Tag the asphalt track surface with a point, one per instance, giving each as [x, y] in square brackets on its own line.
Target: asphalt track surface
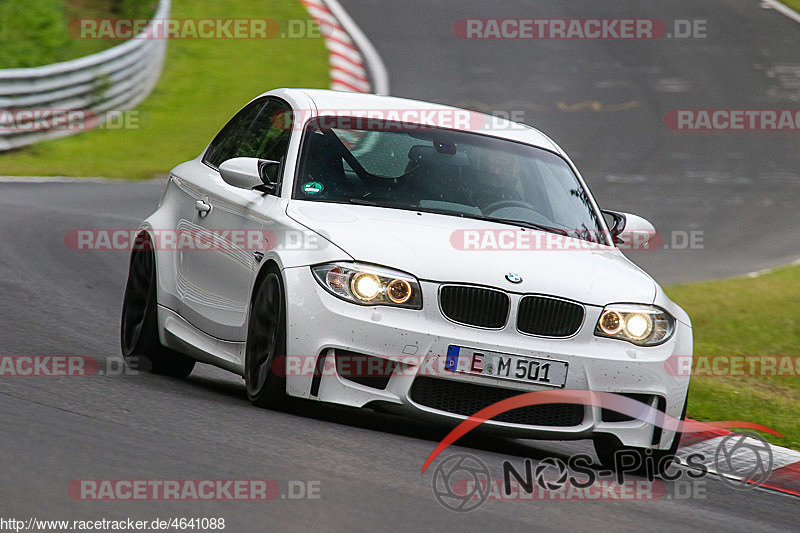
[55, 430]
[57, 301]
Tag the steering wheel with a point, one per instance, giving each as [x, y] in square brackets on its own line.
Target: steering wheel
[496, 206]
[502, 204]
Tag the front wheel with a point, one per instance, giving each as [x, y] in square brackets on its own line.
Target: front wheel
[266, 339]
[141, 347]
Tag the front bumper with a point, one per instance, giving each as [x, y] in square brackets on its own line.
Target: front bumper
[318, 324]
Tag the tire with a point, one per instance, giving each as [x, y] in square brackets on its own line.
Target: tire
[141, 347]
[266, 339]
[607, 446]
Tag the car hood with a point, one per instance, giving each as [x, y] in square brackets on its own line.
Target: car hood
[429, 246]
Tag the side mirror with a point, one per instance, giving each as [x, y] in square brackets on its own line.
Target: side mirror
[630, 232]
[250, 173]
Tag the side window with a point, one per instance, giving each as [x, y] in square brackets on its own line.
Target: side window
[226, 144]
[268, 135]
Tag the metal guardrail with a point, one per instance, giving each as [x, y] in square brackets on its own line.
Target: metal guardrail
[109, 81]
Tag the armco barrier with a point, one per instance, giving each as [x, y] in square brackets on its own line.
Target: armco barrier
[112, 80]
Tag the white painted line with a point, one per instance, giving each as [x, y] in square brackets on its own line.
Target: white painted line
[352, 58]
[69, 179]
[49, 179]
[758, 273]
[780, 456]
[781, 8]
[375, 66]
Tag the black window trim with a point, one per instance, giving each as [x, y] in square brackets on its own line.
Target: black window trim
[263, 101]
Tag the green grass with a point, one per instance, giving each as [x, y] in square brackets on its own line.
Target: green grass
[203, 84]
[35, 32]
[746, 316]
[794, 4]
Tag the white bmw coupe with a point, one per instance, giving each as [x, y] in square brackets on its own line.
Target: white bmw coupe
[376, 251]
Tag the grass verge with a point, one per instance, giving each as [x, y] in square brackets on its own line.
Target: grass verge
[35, 33]
[203, 84]
[794, 4]
[746, 316]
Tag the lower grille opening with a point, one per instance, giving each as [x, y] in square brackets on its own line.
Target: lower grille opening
[468, 398]
[363, 369]
[608, 415]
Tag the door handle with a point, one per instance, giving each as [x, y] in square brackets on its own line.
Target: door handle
[203, 207]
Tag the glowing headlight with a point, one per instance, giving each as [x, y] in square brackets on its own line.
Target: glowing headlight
[369, 285]
[638, 326]
[365, 286]
[644, 325]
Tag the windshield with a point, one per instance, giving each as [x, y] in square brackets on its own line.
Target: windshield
[444, 171]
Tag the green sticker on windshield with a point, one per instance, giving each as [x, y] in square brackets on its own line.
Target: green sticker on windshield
[312, 187]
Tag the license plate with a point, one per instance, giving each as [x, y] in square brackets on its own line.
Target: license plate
[506, 366]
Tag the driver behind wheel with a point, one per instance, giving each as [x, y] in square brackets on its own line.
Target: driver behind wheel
[496, 179]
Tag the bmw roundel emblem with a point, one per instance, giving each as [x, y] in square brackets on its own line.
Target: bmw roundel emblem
[514, 278]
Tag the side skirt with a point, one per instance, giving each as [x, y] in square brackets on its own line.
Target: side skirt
[180, 335]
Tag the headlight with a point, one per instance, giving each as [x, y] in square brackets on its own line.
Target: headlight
[644, 325]
[369, 285]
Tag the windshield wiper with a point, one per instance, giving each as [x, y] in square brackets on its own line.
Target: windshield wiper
[408, 207]
[362, 201]
[522, 223]
[374, 203]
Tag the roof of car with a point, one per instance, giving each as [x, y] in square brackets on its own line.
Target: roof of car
[343, 103]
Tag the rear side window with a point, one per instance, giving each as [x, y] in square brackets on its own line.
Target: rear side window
[226, 143]
[261, 129]
[268, 135]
